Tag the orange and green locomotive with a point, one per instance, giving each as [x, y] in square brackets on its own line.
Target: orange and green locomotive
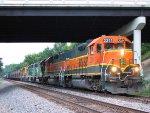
[104, 64]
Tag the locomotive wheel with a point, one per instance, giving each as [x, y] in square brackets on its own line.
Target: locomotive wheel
[34, 79]
[64, 85]
[41, 80]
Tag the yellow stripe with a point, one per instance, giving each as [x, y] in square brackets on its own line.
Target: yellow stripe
[87, 74]
[128, 66]
[104, 64]
[88, 67]
[118, 51]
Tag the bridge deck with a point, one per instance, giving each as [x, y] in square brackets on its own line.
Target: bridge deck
[84, 3]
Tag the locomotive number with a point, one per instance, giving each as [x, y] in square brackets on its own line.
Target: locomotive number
[108, 40]
[120, 40]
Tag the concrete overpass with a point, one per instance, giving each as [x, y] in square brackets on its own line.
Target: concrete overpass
[68, 20]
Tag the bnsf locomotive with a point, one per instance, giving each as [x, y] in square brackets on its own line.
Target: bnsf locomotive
[104, 64]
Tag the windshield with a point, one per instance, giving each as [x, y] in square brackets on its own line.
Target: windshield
[113, 46]
[108, 46]
[117, 46]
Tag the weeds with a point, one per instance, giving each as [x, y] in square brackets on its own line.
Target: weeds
[146, 91]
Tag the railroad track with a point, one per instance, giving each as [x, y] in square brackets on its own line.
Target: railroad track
[77, 103]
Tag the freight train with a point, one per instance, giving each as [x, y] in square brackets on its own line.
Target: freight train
[104, 64]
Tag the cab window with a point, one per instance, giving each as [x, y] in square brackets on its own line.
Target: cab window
[128, 45]
[108, 46]
[99, 47]
[118, 46]
[92, 49]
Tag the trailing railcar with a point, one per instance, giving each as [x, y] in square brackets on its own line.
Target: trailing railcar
[104, 64]
[15, 75]
[34, 72]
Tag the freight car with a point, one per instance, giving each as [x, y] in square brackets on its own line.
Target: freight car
[104, 64]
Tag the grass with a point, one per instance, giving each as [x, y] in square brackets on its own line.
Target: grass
[146, 91]
[146, 55]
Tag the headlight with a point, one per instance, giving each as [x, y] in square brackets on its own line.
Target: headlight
[122, 52]
[136, 69]
[114, 69]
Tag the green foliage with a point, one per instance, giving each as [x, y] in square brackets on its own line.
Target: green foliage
[146, 55]
[145, 48]
[10, 68]
[44, 54]
[1, 64]
[145, 51]
[31, 58]
[60, 47]
[146, 89]
[73, 45]
[146, 92]
[1, 67]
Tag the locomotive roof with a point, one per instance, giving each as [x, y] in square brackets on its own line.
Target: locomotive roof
[93, 41]
[103, 37]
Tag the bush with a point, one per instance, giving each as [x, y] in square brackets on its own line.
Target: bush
[146, 55]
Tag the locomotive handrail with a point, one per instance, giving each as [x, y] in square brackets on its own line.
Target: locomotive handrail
[140, 64]
[108, 65]
[102, 63]
[124, 77]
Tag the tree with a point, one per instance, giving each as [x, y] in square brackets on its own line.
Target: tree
[60, 47]
[72, 45]
[44, 54]
[31, 58]
[1, 65]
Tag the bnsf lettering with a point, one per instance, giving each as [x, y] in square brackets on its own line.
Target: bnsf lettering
[83, 62]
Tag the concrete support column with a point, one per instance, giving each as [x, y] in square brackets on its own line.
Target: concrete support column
[137, 46]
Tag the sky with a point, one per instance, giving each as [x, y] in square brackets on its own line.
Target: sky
[14, 53]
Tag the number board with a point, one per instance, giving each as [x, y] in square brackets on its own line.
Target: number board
[108, 40]
[120, 40]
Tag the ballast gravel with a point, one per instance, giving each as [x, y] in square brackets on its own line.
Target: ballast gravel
[17, 100]
[117, 101]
